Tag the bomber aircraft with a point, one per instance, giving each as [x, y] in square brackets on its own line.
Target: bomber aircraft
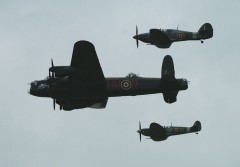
[163, 38]
[82, 84]
[157, 132]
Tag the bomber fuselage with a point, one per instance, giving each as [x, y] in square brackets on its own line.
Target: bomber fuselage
[64, 88]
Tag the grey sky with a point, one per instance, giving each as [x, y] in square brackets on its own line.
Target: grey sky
[33, 32]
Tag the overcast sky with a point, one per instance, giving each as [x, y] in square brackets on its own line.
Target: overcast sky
[33, 134]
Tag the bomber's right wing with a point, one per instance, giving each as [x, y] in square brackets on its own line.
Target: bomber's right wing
[86, 63]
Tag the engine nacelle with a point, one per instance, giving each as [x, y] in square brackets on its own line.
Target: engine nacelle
[63, 71]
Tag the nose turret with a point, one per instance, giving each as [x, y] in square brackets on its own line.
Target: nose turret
[33, 87]
[39, 88]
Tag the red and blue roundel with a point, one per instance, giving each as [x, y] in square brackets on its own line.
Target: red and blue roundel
[126, 84]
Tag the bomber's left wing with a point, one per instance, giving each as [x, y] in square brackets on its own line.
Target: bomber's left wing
[70, 104]
[100, 105]
[85, 63]
[157, 36]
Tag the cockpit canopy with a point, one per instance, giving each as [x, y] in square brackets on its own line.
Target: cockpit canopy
[132, 75]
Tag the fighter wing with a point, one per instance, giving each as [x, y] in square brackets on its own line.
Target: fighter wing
[85, 63]
[157, 132]
[157, 36]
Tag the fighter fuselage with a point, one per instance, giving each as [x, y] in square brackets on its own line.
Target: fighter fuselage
[159, 133]
[163, 38]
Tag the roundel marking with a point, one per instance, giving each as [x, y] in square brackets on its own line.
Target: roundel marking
[181, 35]
[126, 84]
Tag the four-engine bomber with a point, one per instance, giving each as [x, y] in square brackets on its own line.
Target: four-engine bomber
[82, 84]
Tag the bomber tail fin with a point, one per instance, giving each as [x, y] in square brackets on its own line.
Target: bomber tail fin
[168, 74]
[206, 31]
[168, 67]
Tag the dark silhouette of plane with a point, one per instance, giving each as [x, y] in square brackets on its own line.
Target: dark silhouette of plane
[159, 133]
[163, 38]
[82, 84]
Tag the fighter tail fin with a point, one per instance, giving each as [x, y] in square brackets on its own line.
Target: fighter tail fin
[196, 127]
[206, 31]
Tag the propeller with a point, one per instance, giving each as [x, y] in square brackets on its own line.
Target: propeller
[52, 62]
[54, 103]
[135, 37]
[139, 131]
[51, 69]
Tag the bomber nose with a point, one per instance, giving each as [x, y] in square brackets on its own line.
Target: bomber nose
[29, 90]
[135, 36]
[32, 87]
[34, 83]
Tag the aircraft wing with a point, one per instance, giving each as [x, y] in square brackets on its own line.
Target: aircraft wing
[157, 132]
[100, 105]
[157, 36]
[71, 104]
[85, 63]
[170, 97]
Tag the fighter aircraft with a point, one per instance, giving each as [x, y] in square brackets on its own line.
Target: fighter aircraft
[157, 132]
[163, 38]
[82, 84]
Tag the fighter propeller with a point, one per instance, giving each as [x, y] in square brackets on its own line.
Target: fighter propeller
[135, 37]
[139, 131]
